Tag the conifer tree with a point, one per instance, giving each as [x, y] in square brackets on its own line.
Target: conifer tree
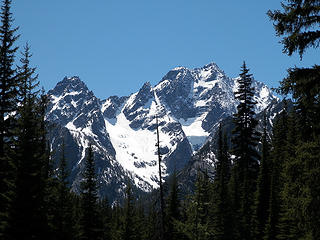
[105, 213]
[298, 24]
[278, 154]
[196, 225]
[89, 200]
[129, 231]
[8, 104]
[173, 210]
[262, 197]
[220, 205]
[288, 224]
[28, 218]
[162, 207]
[245, 139]
[116, 222]
[64, 222]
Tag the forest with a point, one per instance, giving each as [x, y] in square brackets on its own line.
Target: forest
[265, 186]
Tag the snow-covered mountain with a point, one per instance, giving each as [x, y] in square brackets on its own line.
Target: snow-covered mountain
[189, 104]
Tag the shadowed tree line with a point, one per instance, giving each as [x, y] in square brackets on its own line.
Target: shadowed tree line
[265, 185]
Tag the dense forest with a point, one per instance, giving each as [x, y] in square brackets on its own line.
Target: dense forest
[265, 186]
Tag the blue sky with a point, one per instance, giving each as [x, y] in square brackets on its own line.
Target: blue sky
[117, 45]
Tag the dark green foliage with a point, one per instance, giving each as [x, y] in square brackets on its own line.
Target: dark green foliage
[28, 217]
[279, 154]
[296, 17]
[221, 203]
[246, 167]
[90, 224]
[63, 224]
[105, 211]
[304, 85]
[196, 224]
[8, 78]
[130, 232]
[262, 197]
[8, 104]
[173, 210]
[299, 24]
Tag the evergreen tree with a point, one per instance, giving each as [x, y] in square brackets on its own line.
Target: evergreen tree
[28, 218]
[173, 210]
[299, 22]
[89, 199]
[8, 105]
[161, 197]
[262, 197]
[116, 222]
[129, 231]
[299, 25]
[245, 139]
[196, 225]
[220, 205]
[288, 225]
[64, 222]
[105, 213]
[279, 154]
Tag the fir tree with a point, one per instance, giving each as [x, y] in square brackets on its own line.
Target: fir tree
[129, 230]
[105, 213]
[161, 197]
[221, 210]
[89, 199]
[173, 210]
[262, 197]
[278, 154]
[64, 222]
[28, 218]
[196, 225]
[245, 139]
[298, 23]
[8, 105]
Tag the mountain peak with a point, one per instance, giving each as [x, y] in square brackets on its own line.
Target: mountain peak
[69, 84]
[211, 65]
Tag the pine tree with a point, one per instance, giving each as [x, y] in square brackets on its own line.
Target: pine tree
[129, 231]
[262, 197]
[299, 22]
[116, 222]
[105, 213]
[279, 155]
[196, 225]
[287, 224]
[161, 197]
[220, 205]
[8, 105]
[173, 210]
[245, 139]
[64, 219]
[28, 218]
[299, 25]
[89, 199]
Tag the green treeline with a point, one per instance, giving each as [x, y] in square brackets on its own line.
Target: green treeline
[265, 186]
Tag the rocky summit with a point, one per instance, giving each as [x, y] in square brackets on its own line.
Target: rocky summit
[189, 104]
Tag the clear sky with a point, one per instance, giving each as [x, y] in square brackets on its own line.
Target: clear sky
[115, 46]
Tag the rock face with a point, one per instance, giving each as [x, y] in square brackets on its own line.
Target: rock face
[189, 104]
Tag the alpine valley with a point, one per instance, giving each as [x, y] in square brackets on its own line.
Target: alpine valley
[189, 104]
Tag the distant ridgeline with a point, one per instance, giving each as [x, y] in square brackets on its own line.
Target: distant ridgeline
[190, 103]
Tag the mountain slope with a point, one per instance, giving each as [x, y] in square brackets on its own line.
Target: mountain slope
[188, 102]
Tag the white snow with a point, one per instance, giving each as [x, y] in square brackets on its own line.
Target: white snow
[194, 131]
[105, 105]
[134, 147]
[80, 136]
